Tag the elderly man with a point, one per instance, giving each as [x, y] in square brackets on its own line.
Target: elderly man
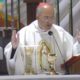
[39, 48]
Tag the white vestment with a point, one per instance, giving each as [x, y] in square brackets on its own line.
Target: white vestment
[37, 44]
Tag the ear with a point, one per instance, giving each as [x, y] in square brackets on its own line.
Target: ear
[37, 16]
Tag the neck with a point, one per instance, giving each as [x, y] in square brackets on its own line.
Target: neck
[43, 28]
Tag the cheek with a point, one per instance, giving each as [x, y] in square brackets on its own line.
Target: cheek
[52, 21]
[43, 22]
[78, 38]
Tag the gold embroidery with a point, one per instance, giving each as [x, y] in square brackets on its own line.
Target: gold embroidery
[28, 67]
[43, 50]
[46, 56]
[51, 60]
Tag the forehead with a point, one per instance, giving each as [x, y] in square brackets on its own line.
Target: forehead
[45, 7]
[47, 11]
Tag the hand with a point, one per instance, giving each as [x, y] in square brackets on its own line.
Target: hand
[14, 39]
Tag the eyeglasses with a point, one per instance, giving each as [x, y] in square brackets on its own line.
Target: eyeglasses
[48, 18]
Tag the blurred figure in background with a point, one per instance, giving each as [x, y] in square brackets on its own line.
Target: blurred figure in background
[76, 46]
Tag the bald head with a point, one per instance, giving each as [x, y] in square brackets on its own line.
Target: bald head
[44, 7]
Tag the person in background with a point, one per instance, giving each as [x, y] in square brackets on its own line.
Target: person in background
[76, 46]
[39, 48]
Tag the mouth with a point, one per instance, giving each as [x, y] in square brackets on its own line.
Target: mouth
[48, 25]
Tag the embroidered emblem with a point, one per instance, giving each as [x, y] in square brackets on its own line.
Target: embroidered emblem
[46, 57]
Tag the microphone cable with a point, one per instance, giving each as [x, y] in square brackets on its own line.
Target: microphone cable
[65, 66]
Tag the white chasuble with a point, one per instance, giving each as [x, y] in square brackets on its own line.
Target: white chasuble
[37, 58]
[38, 52]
